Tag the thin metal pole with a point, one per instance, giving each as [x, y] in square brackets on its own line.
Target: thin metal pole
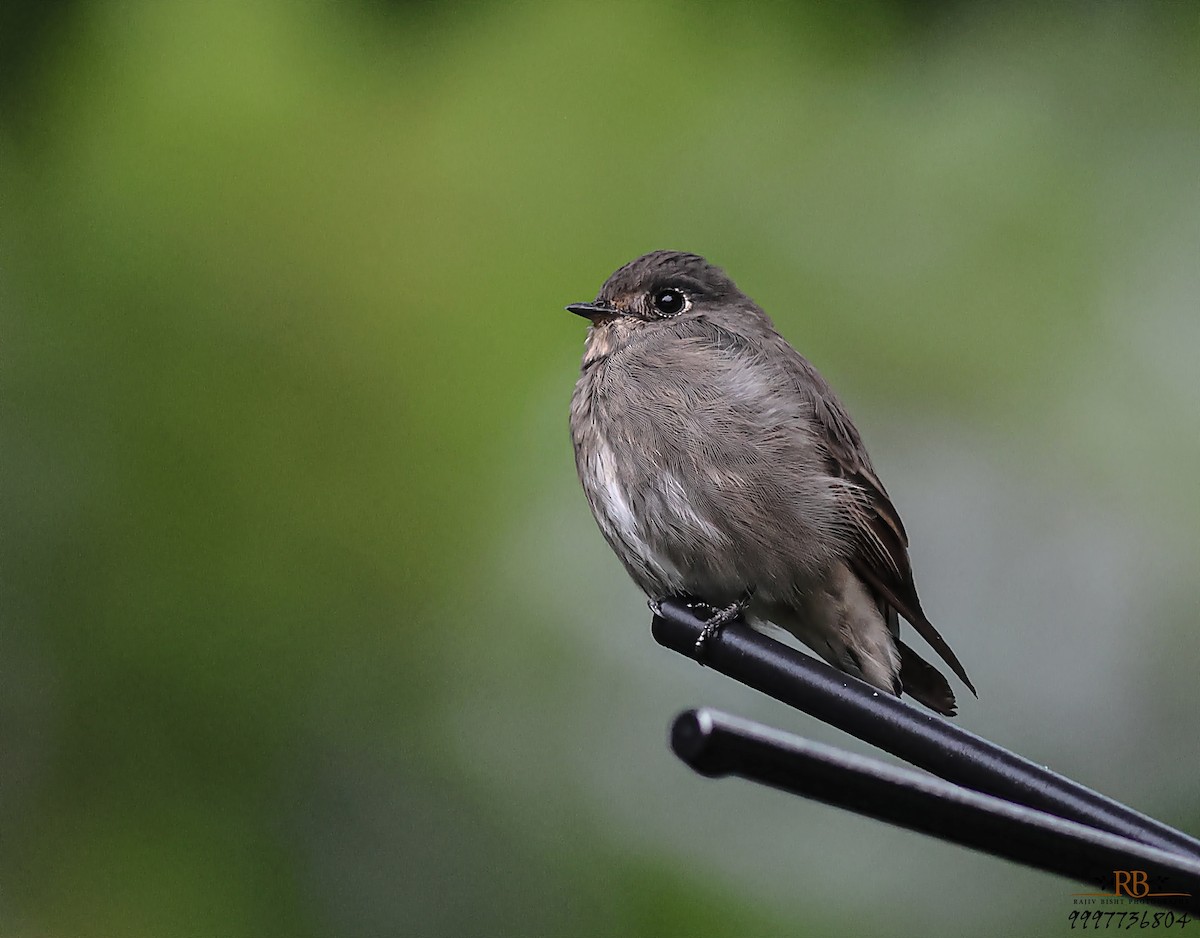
[717, 744]
[922, 739]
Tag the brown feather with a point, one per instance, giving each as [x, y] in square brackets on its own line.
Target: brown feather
[881, 559]
[923, 682]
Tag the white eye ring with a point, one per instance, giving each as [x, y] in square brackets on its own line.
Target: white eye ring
[670, 301]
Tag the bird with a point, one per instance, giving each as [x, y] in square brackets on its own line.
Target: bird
[721, 467]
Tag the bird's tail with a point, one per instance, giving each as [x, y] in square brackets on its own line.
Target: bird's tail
[925, 683]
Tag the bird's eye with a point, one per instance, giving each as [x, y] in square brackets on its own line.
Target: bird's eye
[669, 302]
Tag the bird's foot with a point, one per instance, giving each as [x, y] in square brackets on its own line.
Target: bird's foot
[717, 619]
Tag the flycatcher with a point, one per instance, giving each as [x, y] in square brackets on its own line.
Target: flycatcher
[721, 467]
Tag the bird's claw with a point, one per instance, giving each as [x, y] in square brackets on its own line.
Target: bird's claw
[717, 620]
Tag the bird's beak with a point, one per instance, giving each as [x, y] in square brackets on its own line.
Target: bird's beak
[593, 311]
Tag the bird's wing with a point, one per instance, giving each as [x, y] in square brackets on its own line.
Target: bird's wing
[878, 539]
[881, 556]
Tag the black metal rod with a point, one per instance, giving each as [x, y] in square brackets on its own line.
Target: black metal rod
[716, 744]
[922, 739]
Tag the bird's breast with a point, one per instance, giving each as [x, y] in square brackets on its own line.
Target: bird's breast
[708, 486]
[621, 505]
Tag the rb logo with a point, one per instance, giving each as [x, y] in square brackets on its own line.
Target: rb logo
[1132, 883]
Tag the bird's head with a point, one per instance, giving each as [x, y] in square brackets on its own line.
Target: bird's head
[660, 286]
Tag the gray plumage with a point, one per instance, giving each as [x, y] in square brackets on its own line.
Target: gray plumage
[718, 463]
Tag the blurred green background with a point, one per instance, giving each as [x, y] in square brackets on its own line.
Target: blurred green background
[306, 629]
